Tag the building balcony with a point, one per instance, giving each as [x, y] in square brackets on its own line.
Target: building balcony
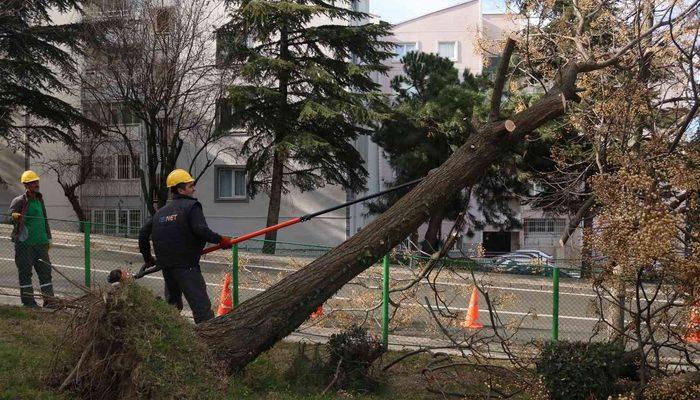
[112, 188]
[108, 9]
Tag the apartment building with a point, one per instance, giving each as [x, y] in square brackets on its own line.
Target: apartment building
[115, 201]
[113, 196]
[473, 40]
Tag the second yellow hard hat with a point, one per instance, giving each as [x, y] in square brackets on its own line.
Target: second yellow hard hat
[29, 176]
[177, 177]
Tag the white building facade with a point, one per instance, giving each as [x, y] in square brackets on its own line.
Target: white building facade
[116, 204]
[114, 199]
[473, 40]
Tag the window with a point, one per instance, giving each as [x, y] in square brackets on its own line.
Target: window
[108, 8]
[115, 167]
[110, 222]
[230, 183]
[223, 51]
[94, 112]
[134, 222]
[232, 47]
[401, 49]
[97, 221]
[123, 164]
[164, 19]
[121, 222]
[119, 114]
[112, 114]
[224, 119]
[447, 50]
[94, 61]
[135, 168]
[544, 226]
[223, 115]
[102, 167]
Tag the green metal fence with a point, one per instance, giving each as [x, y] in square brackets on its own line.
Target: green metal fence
[81, 257]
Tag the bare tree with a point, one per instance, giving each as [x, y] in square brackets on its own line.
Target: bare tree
[260, 322]
[152, 65]
[73, 166]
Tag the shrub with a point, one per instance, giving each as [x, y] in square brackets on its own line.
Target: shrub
[351, 355]
[578, 370]
[683, 386]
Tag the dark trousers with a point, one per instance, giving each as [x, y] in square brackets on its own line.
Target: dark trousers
[190, 282]
[27, 257]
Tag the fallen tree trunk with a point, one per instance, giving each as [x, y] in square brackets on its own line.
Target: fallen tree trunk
[257, 324]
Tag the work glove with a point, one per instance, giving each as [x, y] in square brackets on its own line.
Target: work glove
[16, 216]
[114, 276]
[225, 242]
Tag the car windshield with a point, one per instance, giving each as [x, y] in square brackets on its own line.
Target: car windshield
[534, 253]
[520, 258]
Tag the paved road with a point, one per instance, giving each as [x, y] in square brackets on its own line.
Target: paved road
[525, 300]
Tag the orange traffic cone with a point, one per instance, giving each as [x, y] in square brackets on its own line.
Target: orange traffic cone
[471, 321]
[318, 312]
[225, 305]
[693, 335]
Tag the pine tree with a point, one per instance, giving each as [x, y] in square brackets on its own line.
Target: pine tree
[431, 117]
[36, 66]
[306, 92]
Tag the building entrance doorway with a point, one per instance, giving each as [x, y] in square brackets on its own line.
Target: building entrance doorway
[497, 243]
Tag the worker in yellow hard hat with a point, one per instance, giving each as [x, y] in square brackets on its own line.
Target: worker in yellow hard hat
[179, 232]
[32, 237]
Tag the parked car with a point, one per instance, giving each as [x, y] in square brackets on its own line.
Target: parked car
[535, 254]
[530, 262]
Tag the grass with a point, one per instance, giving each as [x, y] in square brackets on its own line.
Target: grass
[26, 339]
[27, 347]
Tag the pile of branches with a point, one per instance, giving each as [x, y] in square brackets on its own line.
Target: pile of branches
[124, 343]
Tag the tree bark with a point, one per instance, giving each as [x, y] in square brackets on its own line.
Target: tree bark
[277, 185]
[430, 240]
[587, 246]
[500, 81]
[273, 208]
[69, 192]
[258, 323]
[574, 222]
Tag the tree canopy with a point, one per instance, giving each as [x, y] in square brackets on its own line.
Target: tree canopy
[431, 116]
[306, 92]
[37, 65]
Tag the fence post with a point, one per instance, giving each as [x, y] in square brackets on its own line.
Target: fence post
[87, 227]
[385, 302]
[555, 304]
[234, 274]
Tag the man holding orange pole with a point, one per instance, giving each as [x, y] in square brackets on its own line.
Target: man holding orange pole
[179, 232]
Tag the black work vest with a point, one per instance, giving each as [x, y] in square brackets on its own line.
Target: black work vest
[173, 241]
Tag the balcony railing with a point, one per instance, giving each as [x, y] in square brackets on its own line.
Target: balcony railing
[108, 9]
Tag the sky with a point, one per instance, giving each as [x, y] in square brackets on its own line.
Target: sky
[394, 11]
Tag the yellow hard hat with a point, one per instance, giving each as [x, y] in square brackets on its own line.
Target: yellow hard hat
[177, 177]
[29, 176]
